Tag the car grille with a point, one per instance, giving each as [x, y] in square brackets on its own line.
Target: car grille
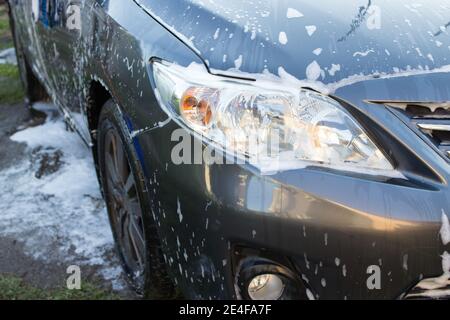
[430, 120]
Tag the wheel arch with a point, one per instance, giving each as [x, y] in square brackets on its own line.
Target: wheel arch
[98, 95]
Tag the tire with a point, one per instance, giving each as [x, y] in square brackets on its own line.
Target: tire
[124, 188]
[34, 91]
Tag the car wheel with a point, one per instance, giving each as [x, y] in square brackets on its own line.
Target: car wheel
[128, 205]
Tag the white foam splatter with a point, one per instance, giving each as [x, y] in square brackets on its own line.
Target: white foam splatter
[363, 53]
[180, 214]
[290, 81]
[436, 287]
[317, 51]
[282, 38]
[238, 62]
[181, 36]
[405, 262]
[310, 295]
[313, 71]
[334, 68]
[446, 264]
[216, 34]
[293, 13]
[310, 30]
[445, 229]
[337, 261]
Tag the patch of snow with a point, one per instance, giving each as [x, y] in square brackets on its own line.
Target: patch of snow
[61, 215]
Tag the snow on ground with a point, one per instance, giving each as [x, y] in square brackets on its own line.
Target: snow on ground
[52, 201]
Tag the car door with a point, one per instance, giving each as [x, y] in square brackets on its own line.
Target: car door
[60, 27]
[29, 27]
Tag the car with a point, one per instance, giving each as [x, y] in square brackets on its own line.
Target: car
[258, 150]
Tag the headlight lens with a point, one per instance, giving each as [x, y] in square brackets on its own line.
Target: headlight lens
[273, 126]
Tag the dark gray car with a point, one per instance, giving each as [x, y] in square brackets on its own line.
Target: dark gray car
[259, 149]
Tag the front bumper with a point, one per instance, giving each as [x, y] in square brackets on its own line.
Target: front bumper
[330, 226]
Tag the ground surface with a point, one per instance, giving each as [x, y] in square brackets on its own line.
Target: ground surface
[52, 214]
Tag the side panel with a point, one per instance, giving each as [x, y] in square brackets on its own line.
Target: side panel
[26, 15]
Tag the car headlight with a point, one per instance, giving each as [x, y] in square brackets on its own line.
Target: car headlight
[273, 126]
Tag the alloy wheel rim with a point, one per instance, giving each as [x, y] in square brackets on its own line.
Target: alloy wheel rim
[125, 209]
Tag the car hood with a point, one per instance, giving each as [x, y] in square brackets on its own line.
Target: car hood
[323, 42]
